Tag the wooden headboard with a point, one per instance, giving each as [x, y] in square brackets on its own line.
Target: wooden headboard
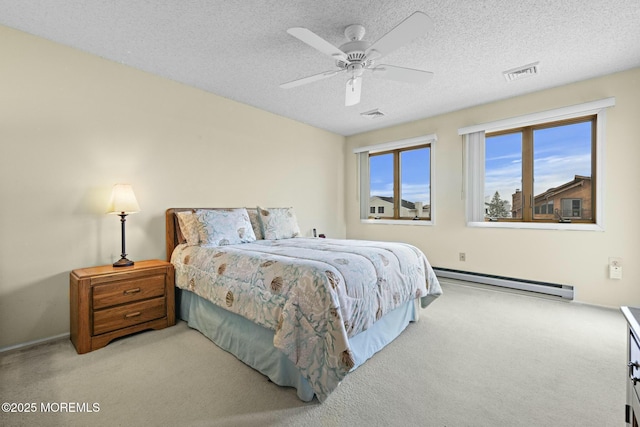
[173, 235]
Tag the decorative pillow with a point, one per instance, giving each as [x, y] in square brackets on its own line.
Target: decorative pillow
[278, 223]
[189, 227]
[255, 223]
[224, 227]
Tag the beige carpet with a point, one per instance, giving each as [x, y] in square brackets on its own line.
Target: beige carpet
[477, 357]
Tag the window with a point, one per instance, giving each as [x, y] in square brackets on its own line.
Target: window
[544, 208]
[572, 208]
[530, 170]
[543, 170]
[400, 181]
[395, 181]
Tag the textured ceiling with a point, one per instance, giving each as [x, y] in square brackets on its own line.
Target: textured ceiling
[240, 49]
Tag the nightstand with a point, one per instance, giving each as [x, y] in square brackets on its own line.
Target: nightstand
[109, 302]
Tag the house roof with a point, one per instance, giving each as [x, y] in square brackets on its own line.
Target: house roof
[552, 192]
[404, 203]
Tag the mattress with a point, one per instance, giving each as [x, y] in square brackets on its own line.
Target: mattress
[314, 296]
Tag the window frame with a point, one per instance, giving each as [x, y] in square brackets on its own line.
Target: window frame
[528, 173]
[473, 160]
[397, 183]
[364, 177]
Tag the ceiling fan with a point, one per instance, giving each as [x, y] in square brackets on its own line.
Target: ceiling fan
[357, 56]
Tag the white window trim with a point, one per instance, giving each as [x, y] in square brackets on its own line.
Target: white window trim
[564, 113]
[417, 223]
[474, 182]
[362, 172]
[394, 145]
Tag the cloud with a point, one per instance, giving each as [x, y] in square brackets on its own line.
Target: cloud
[549, 171]
[560, 153]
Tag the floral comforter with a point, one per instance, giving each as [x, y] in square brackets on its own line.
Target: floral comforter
[314, 293]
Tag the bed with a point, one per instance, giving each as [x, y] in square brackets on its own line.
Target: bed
[303, 311]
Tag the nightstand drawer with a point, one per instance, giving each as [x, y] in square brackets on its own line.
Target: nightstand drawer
[123, 316]
[111, 294]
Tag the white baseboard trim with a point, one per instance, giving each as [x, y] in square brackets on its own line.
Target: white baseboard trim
[34, 342]
[552, 289]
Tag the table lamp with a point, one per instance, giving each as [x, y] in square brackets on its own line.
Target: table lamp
[123, 202]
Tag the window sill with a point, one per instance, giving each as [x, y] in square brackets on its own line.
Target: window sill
[538, 225]
[397, 222]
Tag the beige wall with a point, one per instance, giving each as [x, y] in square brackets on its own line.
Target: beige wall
[570, 257]
[72, 125]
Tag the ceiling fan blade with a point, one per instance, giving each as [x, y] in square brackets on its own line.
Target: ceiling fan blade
[409, 75]
[309, 79]
[317, 42]
[354, 87]
[412, 27]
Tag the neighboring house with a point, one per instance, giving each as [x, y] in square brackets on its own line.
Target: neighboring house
[381, 207]
[571, 200]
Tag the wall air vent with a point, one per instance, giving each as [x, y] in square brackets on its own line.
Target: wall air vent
[523, 72]
[373, 114]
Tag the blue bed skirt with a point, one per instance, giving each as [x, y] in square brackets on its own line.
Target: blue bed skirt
[253, 344]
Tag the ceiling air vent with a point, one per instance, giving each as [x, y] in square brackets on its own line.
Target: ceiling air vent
[373, 114]
[521, 72]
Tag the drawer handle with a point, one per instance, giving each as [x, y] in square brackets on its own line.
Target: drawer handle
[131, 291]
[130, 315]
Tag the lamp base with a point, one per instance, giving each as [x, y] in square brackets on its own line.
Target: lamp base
[123, 262]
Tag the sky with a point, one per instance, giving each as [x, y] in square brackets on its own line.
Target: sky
[416, 175]
[559, 154]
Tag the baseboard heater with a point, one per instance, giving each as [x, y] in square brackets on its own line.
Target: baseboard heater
[564, 291]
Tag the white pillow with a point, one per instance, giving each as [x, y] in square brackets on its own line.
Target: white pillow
[188, 224]
[278, 223]
[224, 227]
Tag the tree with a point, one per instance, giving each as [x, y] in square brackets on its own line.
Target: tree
[497, 207]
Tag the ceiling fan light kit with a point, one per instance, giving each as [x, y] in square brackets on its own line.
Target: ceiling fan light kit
[357, 56]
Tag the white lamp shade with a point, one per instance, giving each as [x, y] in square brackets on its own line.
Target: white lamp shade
[123, 200]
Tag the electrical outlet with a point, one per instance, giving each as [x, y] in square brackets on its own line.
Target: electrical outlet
[615, 272]
[615, 268]
[463, 256]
